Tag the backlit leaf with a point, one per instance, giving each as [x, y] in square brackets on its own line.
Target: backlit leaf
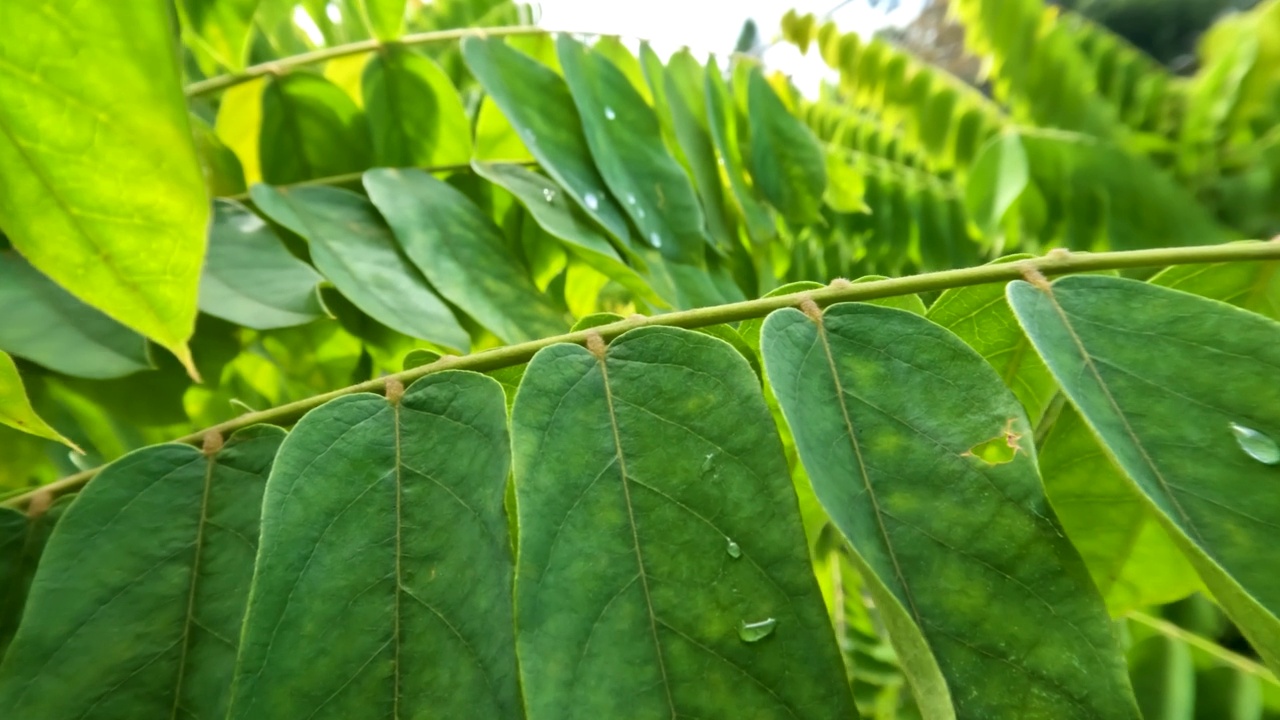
[158, 549]
[220, 28]
[15, 408]
[384, 577]
[1167, 422]
[415, 115]
[662, 567]
[103, 190]
[990, 609]
[384, 18]
[310, 129]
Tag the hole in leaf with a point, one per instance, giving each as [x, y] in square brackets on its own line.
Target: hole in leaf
[999, 449]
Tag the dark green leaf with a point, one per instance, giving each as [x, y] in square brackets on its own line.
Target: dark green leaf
[223, 173]
[353, 247]
[547, 203]
[135, 609]
[1132, 358]
[625, 141]
[787, 164]
[990, 609]
[310, 129]
[662, 567]
[249, 276]
[415, 115]
[722, 117]
[46, 325]
[103, 190]
[22, 541]
[686, 104]
[463, 254]
[537, 102]
[384, 579]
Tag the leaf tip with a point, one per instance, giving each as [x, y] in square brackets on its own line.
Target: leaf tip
[183, 353]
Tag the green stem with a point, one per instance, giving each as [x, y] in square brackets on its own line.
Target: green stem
[277, 67]
[1239, 662]
[1057, 262]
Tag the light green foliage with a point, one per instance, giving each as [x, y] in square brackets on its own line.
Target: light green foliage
[102, 187]
[986, 602]
[384, 572]
[219, 28]
[635, 471]
[15, 408]
[384, 18]
[1168, 424]
[159, 550]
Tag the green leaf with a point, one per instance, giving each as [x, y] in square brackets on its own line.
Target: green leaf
[103, 190]
[48, 326]
[1164, 679]
[545, 199]
[682, 81]
[223, 173]
[980, 315]
[728, 142]
[220, 28]
[239, 125]
[625, 141]
[16, 410]
[537, 102]
[1250, 285]
[787, 164]
[384, 18]
[662, 567]
[250, 278]
[352, 246]
[415, 115]
[22, 541]
[989, 607]
[158, 549]
[1133, 560]
[463, 254]
[310, 129]
[384, 578]
[998, 178]
[1167, 422]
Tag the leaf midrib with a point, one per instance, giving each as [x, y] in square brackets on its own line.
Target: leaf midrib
[210, 464]
[602, 361]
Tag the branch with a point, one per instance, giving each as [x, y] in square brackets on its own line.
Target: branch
[1057, 262]
[277, 67]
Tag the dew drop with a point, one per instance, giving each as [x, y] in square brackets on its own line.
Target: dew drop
[631, 199]
[591, 200]
[1256, 445]
[640, 213]
[732, 548]
[756, 631]
[548, 194]
[655, 239]
[708, 463]
[609, 113]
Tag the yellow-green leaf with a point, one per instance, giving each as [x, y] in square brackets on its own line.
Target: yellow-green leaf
[15, 408]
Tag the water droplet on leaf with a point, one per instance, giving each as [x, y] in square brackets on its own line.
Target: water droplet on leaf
[609, 113]
[708, 463]
[1256, 445]
[640, 213]
[631, 199]
[655, 239]
[756, 631]
[591, 200]
[548, 194]
[732, 548]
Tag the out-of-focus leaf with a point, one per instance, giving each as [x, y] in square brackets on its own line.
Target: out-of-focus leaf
[159, 548]
[625, 141]
[463, 254]
[404, 601]
[384, 18]
[415, 115]
[996, 181]
[990, 609]
[496, 140]
[249, 276]
[223, 173]
[239, 125]
[1164, 679]
[682, 81]
[310, 129]
[537, 102]
[46, 325]
[662, 571]
[722, 117]
[1169, 424]
[352, 246]
[15, 408]
[102, 187]
[787, 164]
[220, 28]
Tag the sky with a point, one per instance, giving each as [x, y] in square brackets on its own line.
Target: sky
[712, 26]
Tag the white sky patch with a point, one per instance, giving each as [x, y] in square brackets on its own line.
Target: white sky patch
[712, 26]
